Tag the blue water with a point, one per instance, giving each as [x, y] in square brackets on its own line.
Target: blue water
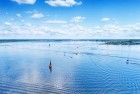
[78, 67]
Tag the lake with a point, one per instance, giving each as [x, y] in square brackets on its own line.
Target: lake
[78, 67]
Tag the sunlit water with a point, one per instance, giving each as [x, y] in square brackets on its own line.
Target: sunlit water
[77, 68]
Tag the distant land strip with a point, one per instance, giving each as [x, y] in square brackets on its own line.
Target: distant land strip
[105, 41]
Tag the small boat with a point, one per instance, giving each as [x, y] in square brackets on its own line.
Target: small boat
[50, 65]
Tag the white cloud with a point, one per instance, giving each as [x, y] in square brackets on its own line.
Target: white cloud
[64, 30]
[37, 15]
[11, 28]
[68, 29]
[77, 19]
[7, 23]
[56, 22]
[25, 1]
[62, 3]
[117, 31]
[105, 19]
[18, 15]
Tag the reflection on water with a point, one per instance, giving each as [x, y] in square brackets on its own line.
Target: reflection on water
[69, 67]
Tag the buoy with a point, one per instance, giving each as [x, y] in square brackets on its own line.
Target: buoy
[127, 61]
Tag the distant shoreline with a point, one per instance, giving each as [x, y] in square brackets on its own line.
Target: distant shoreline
[105, 41]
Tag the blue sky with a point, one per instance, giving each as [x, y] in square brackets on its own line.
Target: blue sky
[69, 19]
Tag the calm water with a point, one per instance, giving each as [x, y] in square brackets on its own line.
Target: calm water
[78, 68]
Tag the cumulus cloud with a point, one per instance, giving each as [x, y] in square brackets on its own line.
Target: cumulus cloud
[117, 31]
[7, 23]
[68, 29]
[63, 30]
[56, 22]
[62, 3]
[77, 19]
[25, 1]
[18, 15]
[11, 28]
[37, 15]
[105, 19]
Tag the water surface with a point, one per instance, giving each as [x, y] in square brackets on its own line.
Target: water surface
[78, 67]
